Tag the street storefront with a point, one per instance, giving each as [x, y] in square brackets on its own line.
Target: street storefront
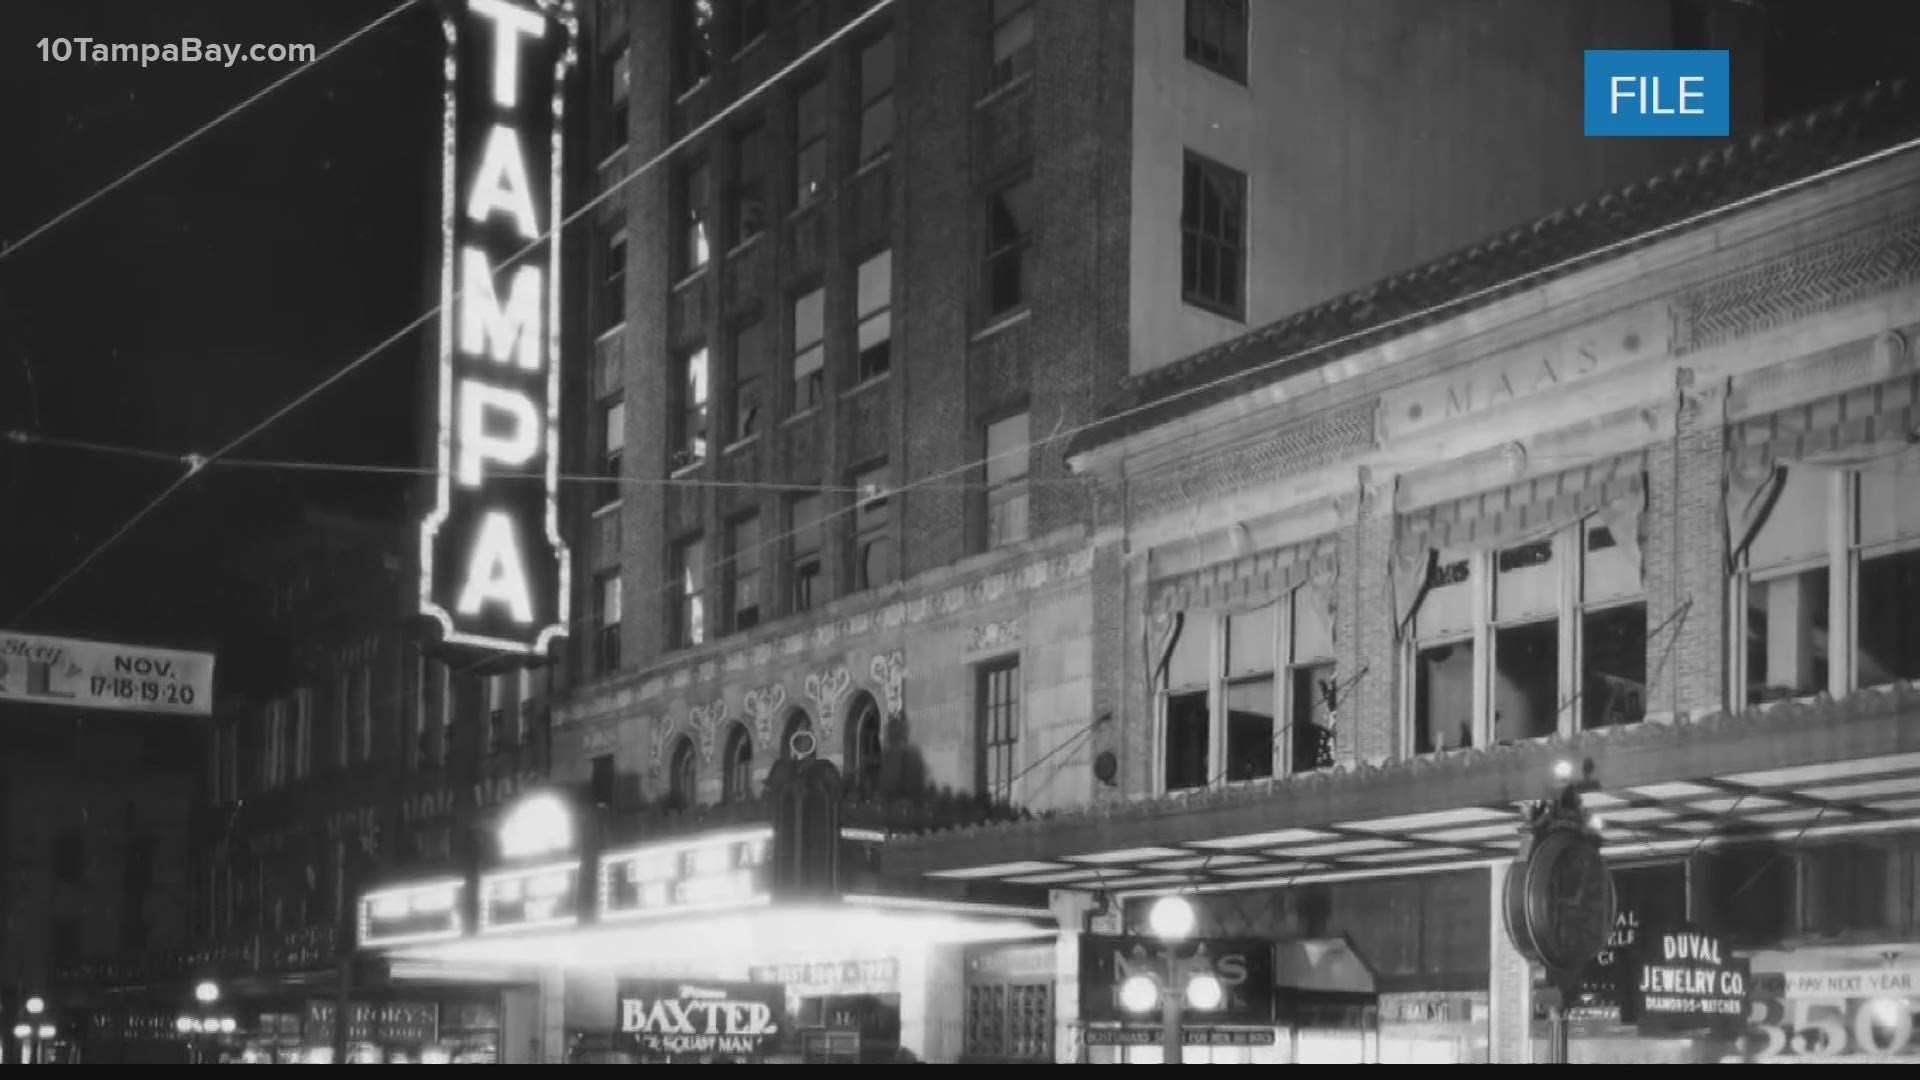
[753, 941]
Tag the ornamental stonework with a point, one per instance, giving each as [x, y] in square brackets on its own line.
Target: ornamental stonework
[1298, 447]
[1786, 289]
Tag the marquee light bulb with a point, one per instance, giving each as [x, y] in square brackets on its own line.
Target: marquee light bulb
[1139, 994]
[46, 1031]
[1563, 770]
[22, 1031]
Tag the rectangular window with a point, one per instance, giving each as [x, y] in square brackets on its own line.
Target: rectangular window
[613, 281]
[1787, 600]
[694, 28]
[743, 572]
[1213, 226]
[600, 780]
[619, 83]
[809, 350]
[689, 576]
[1559, 638]
[417, 739]
[363, 711]
[343, 718]
[1009, 225]
[876, 99]
[1251, 693]
[997, 727]
[873, 564]
[875, 316]
[690, 439]
[529, 683]
[749, 209]
[1217, 36]
[1187, 721]
[1011, 38]
[749, 381]
[500, 703]
[804, 565]
[1007, 456]
[810, 142]
[606, 603]
[694, 244]
[613, 444]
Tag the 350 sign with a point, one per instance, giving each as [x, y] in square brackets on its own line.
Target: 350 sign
[1869, 1027]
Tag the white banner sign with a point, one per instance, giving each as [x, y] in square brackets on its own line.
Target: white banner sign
[98, 675]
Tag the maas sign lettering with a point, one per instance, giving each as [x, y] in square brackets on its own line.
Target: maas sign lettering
[36, 670]
[493, 565]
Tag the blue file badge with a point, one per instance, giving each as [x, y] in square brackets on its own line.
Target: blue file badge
[1658, 92]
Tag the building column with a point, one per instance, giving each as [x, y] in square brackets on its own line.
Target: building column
[551, 1030]
[1684, 554]
[933, 1002]
[1510, 984]
[1368, 653]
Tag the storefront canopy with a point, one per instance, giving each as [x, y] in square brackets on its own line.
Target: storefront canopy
[701, 942]
[1787, 773]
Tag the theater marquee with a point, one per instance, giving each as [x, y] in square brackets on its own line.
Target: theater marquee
[493, 565]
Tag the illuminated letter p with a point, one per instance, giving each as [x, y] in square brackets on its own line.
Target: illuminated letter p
[515, 445]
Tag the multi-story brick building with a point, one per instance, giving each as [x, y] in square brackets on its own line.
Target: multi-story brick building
[1629, 486]
[945, 237]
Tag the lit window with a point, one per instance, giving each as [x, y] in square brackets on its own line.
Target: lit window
[810, 137]
[872, 540]
[613, 281]
[619, 82]
[1012, 41]
[997, 727]
[875, 315]
[805, 562]
[876, 99]
[613, 431]
[749, 383]
[743, 571]
[809, 351]
[694, 26]
[1212, 237]
[1009, 225]
[690, 441]
[1007, 462]
[606, 602]
[694, 244]
[689, 574]
[749, 216]
[1217, 36]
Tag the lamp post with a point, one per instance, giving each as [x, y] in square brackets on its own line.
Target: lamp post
[205, 1026]
[1186, 984]
[34, 1031]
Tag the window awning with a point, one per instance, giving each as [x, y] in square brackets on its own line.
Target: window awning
[1322, 966]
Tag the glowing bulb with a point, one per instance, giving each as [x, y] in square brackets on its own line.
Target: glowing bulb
[1205, 993]
[228, 1025]
[22, 1031]
[1596, 822]
[206, 993]
[46, 1031]
[1138, 994]
[1171, 918]
[183, 1025]
[1563, 770]
[36, 1006]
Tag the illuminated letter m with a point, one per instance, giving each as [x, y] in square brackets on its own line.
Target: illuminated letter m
[506, 334]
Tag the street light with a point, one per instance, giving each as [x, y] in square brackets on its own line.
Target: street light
[206, 993]
[1172, 920]
[36, 1006]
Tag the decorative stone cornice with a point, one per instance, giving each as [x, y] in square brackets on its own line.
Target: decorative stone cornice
[889, 673]
[762, 706]
[635, 691]
[1790, 288]
[1297, 447]
[995, 635]
[825, 690]
[707, 720]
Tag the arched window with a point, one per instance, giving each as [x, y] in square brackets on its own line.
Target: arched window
[797, 722]
[737, 781]
[683, 774]
[863, 746]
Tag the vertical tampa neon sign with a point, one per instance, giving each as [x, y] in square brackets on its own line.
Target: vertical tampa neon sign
[493, 565]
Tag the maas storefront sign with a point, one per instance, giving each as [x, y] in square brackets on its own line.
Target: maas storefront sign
[1685, 980]
[661, 1018]
[1244, 967]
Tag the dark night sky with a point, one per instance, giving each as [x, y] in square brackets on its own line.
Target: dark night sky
[181, 309]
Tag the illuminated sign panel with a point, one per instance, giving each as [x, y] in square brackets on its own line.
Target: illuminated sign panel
[711, 873]
[493, 565]
[531, 898]
[429, 911]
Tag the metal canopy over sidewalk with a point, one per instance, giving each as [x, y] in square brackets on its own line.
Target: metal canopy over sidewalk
[1790, 772]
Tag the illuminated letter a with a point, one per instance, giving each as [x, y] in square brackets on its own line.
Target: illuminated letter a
[495, 573]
